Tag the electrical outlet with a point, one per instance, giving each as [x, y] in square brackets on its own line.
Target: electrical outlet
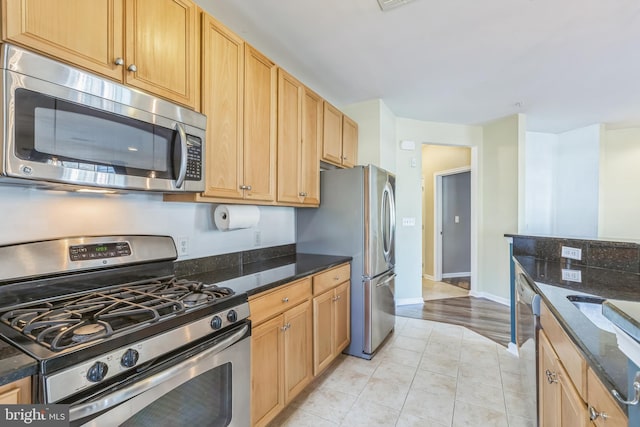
[183, 246]
[571, 253]
[572, 275]
[256, 238]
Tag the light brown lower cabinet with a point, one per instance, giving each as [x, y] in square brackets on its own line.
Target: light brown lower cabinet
[17, 392]
[296, 334]
[570, 394]
[281, 349]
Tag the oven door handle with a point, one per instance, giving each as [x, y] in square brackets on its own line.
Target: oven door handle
[89, 408]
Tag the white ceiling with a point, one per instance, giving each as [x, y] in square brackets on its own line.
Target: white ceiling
[563, 63]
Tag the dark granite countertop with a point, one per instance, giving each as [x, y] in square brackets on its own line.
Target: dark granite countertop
[262, 275]
[599, 347]
[14, 364]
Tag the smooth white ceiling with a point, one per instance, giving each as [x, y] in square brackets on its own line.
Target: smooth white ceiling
[563, 63]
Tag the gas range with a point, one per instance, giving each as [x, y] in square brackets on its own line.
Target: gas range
[91, 309]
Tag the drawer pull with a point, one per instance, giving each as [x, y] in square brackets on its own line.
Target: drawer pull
[552, 377]
[636, 389]
[594, 414]
[285, 299]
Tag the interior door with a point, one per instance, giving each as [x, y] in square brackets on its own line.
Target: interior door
[456, 224]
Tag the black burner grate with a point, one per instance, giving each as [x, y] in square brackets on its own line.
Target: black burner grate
[67, 322]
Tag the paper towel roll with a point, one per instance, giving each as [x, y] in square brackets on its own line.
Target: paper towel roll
[232, 217]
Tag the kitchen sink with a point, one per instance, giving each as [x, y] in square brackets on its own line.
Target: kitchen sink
[591, 307]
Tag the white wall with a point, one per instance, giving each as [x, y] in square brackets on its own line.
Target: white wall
[408, 195]
[619, 202]
[28, 214]
[562, 183]
[498, 203]
[540, 152]
[376, 133]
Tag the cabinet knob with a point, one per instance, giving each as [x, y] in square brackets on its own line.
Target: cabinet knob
[302, 194]
[552, 377]
[285, 299]
[336, 278]
[249, 187]
[285, 327]
[245, 187]
[594, 414]
[132, 68]
[119, 61]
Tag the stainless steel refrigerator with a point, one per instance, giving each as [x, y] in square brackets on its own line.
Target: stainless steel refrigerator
[356, 217]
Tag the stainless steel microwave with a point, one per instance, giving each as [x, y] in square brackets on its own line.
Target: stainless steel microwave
[66, 128]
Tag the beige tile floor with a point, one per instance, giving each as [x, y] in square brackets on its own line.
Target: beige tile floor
[426, 374]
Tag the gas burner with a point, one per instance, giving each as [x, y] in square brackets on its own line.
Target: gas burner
[196, 298]
[88, 332]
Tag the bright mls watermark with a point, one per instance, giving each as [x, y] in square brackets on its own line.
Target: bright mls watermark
[34, 415]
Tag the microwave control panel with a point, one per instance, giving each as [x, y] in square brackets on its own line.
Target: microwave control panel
[194, 158]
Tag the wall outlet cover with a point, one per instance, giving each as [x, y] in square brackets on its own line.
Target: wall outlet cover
[571, 253]
[572, 275]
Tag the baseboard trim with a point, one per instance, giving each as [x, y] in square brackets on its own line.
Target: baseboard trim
[453, 275]
[491, 297]
[409, 301]
[513, 349]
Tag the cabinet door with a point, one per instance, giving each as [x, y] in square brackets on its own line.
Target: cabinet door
[549, 389]
[222, 103]
[85, 33]
[332, 135]
[323, 331]
[342, 326]
[311, 146]
[349, 142]
[298, 344]
[17, 392]
[573, 410]
[161, 42]
[289, 138]
[267, 371]
[259, 126]
[601, 400]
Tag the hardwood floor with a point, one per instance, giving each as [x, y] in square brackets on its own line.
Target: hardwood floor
[461, 282]
[483, 316]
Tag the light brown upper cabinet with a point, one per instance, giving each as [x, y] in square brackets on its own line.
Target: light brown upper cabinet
[239, 93]
[340, 139]
[149, 44]
[299, 139]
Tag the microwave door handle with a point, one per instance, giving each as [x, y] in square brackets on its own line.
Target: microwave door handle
[182, 173]
[105, 402]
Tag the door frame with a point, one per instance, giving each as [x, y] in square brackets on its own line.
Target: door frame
[437, 218]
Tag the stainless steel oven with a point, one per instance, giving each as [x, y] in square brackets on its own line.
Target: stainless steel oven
[207, 385]
[122, 340]
[67, 128]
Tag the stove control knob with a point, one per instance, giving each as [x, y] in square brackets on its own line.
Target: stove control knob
[216, 322]
[129, 358]
[97, 372]
[232, 316]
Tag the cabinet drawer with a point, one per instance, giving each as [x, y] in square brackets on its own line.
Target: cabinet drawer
[264, 306]
[570, 357]
[331, 279]
[602, 401]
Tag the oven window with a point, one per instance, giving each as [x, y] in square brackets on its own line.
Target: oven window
[202, 401]
[54, 131]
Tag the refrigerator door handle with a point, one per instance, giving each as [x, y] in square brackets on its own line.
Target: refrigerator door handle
[388, 216]
[387, 280]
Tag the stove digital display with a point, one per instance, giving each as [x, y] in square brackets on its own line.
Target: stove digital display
[104, 250]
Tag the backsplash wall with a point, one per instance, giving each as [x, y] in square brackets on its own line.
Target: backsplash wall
[28, 214]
